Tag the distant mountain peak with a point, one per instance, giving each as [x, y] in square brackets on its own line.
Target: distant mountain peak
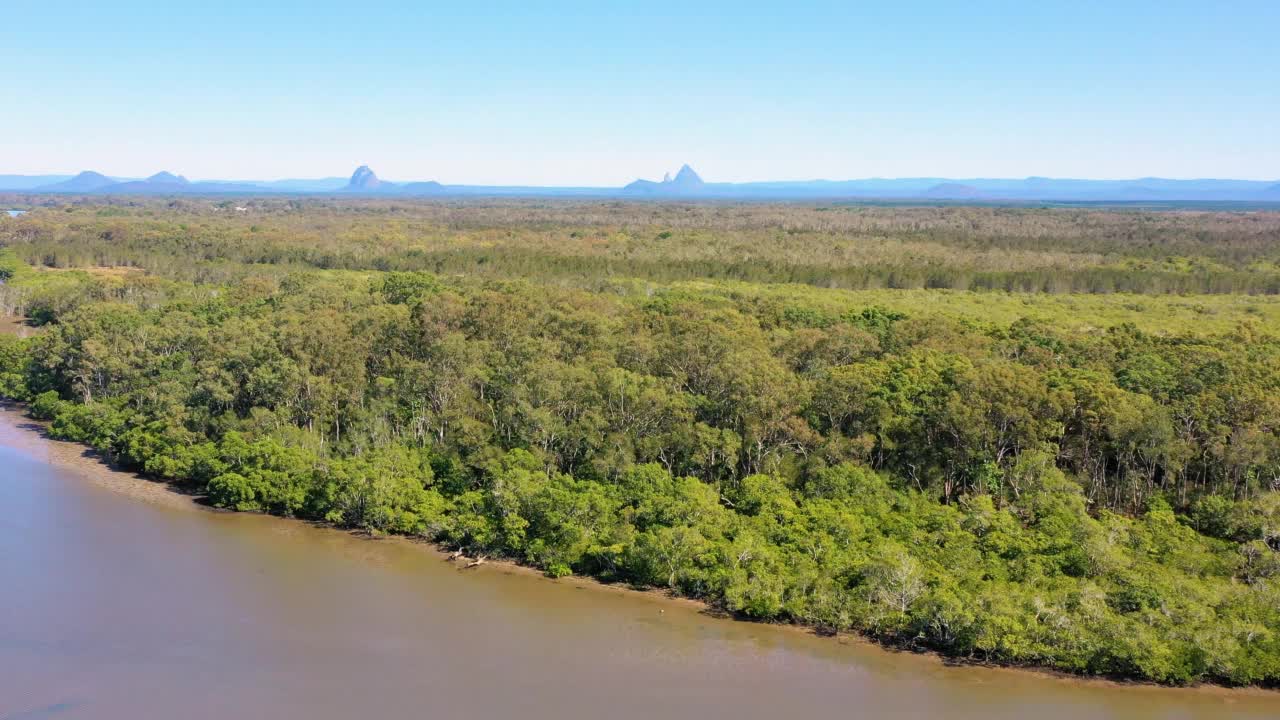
[164, 177]
[687, 177]
[686, 181]
[428, 187]
[363, 179]
[86, 181]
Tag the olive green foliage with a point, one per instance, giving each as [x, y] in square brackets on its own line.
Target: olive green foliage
[1102, 500]
[855, 246]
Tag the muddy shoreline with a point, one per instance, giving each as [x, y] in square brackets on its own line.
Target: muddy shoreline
[28, 436]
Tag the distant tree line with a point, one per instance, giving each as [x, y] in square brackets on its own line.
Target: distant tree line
[851, 247]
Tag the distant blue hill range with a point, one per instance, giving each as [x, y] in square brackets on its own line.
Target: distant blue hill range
[686, 184]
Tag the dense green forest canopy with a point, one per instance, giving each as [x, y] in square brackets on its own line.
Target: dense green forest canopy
[1085, 481]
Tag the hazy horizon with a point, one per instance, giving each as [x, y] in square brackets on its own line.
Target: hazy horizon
[711, 179]
[575, 94]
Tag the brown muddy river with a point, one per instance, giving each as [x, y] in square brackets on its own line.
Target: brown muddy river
[127, 604]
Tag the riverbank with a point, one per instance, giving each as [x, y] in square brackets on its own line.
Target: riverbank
[28, 436]
[19, 432]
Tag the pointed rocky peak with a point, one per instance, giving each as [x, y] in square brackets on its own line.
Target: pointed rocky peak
[165, 177]
[686, 182]
[687, 177]
[363, 179]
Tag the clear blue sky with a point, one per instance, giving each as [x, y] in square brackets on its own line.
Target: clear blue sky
[600, 92]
